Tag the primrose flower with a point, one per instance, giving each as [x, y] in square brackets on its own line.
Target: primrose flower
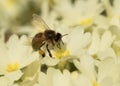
[109, 72]
[55, 77]
[86, 66]
[11, 12]
[4, 81]
[11, 7]
[78, 41]
[75, 44]
[113, 12]
[101, 45]
[99, 73]
[88, 53]
[80, 12]
[15, 55]
[116, 43]
[58, 54]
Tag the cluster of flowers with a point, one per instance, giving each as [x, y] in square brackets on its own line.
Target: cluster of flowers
[91, 50]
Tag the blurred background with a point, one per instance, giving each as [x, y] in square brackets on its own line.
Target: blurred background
[16, 15]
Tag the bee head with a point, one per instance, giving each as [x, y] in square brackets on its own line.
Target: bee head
[58, 37]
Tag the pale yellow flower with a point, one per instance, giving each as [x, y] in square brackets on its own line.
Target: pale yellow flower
[80, 12]
[15, 55]
[101, 45]
[113, 12]
[75, 43]
[104, 73]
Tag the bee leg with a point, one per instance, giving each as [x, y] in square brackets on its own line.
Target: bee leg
[41, 52]
[53, 44]
[42, 44]
[62, 42]
[48, 51]
[58, 45]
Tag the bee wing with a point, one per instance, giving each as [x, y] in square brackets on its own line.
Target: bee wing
[28, 42]
[39, 22]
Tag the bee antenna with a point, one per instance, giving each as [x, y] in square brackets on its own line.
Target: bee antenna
[64, 35]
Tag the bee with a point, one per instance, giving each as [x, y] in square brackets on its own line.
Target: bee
[47, 37]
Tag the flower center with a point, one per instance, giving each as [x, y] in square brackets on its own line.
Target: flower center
[61, 53]
[86, 21]
[10, 3]
[13, 67]
[95, 83]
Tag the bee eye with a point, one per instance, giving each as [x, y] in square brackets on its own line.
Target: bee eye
[58, 37]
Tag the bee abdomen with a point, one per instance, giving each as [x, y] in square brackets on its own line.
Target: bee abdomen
[37, 41]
